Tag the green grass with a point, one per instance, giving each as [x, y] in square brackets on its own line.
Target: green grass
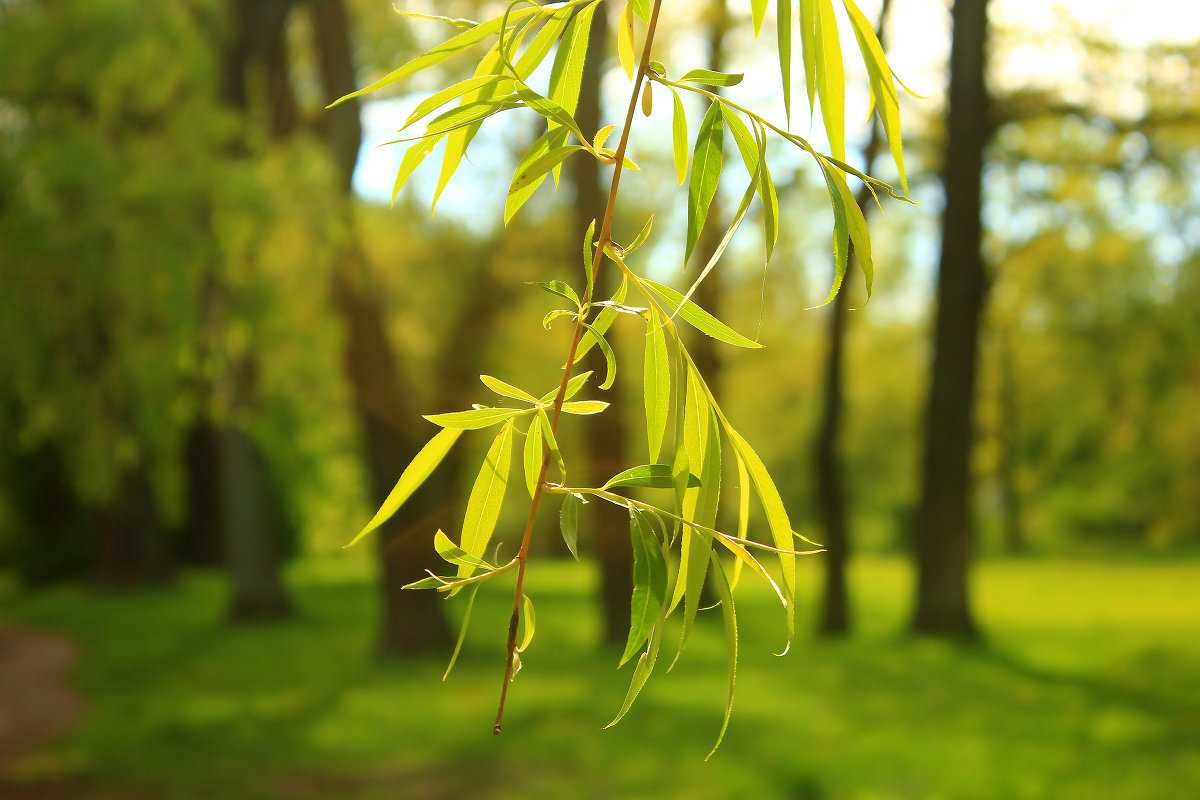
[1088, 687]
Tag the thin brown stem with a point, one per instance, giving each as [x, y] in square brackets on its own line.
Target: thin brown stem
[604, 239]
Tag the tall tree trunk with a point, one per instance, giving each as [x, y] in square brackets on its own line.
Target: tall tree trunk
[607, 434]
[255, 67]
[411, 622]
[944, 527]
[827, 458]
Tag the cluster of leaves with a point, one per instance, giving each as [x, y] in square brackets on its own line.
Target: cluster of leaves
[675, 544]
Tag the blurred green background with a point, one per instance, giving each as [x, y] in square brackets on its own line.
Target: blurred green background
[216, 339]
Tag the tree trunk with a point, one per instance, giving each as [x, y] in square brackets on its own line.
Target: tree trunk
[943, 533]
[1008, 465]
[827, 459]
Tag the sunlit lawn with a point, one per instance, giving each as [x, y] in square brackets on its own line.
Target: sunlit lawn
[1088, 687]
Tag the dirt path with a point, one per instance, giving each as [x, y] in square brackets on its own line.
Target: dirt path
[36, 700]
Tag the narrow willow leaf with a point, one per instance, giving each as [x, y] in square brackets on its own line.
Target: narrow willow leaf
[770, 201]
[725, 592]
[648, 476]
[573, 386]
[641, 673]
[610, 358]
[560, 288]
[841, 227]
[831, 79]
[713, 78]
[777, 519]
[548, 320]
[679, 137]
[585, 406]
[745, 141]
[420, 468]
[588, 257]
[440, 53]
[783, 21]
[458, 141]
[487, 495]
[625, 41]
[809, 25]
[541, 44]
[506, 389]
[706, 174]
[459, 22]
[602, 323]
[528, 622]
[697, 317]
[462, 631]
[857, 228]
[642, 9]
[883, 89]
[476, 418]
[532, 457]
[412, 159]
[552, 111]
[649, 583]
[743, 511]
[439, 99]
[568, 523]
[552, 444]
[566, 76]
[640, 239]
[432, 582]
[454, 554]
[656, 384]
[531, 176]
[758, 9]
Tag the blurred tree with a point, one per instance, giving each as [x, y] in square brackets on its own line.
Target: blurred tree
[943, 523]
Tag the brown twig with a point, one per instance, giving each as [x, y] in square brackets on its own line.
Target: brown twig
[604, 239]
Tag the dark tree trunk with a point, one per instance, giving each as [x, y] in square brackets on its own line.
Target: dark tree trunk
[607, 434]
[943, 525]
[252, 544]
[201, 540]
[134, 550]
[827, 458]
[1007, 468]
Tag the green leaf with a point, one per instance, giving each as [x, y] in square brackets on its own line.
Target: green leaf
[412, 159]
[602, 323]
[552, 111]
[746, 144]
[529, 622]
[552, 442]
[588, 258]
[462, 631]
[758, 10]
[541, 45]
[679, 137]
[777, 519]
[573, 386]
[857, 228]
[770, 201]
[706, 174]
[476, 418]
[420, 468]
[725, 592]
[532, 457]
[641, 673]
[883, 89]
[439, 99]
[743, 510]
[610, 358]
[642, 9]
[487, 495]
[560, 288]
[831, 79]
[656, 384]
[585, 407]
[547, 142]
[809, 26]
[440, 53]
[712, 78]
[697, 317]
[625, 42]
[648, 476]
[649, 583]
[841, 226]
[454, 554]
[566, 75]
[640, 239]
[506, 389]
[568, 523]
[534, 172]
[784, 25]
